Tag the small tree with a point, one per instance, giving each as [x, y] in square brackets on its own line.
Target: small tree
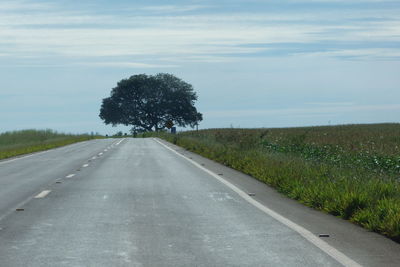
[148, 102]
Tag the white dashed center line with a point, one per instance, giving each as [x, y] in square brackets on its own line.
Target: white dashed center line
[70, 175]
[101, 153]
[43, 194]
[85, 165]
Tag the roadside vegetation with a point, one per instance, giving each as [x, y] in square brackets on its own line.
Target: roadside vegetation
[27, 141]
[350, 171]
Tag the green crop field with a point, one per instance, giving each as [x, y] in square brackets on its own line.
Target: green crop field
[28, 141]
[350, 171]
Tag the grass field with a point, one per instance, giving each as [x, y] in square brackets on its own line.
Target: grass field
[27, 141]
[350, 171]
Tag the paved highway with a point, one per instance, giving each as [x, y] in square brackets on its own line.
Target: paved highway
[144, 202]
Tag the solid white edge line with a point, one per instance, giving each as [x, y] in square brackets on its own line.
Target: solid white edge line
[325, 247]
[43, 194]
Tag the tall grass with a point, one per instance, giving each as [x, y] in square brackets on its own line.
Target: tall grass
[350, 171]
[27, 141]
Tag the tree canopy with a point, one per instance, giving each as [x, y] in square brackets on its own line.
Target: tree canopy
[148, 102]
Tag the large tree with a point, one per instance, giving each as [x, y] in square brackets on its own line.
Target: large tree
[148, 102]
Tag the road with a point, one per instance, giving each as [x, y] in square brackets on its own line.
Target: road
[143, 202]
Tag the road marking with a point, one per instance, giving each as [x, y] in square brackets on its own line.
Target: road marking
[325, 247]
[85, 165]
[43, 194]
[94, 157]
[101, 153]
[105, 150]
[120, 142]
[70, 175]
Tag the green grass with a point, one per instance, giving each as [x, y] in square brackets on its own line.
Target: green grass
[28, 141]
[350, 171]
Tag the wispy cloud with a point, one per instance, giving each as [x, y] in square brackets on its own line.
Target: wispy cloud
[171, 8]
[122, 64]
[340, 1]
[18, 5]
[206, 37]
[338, 104]
[361, 54]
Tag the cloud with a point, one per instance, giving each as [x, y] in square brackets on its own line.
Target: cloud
[361, 54]
[23, 5]
[127, 65]
[331, 103]
[172, 8]
[200, 37]
[341, 1]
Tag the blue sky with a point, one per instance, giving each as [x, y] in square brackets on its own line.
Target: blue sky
[252, 63]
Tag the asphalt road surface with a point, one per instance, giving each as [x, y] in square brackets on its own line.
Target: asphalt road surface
[144, 202]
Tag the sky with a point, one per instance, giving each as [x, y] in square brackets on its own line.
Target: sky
[252, 63]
